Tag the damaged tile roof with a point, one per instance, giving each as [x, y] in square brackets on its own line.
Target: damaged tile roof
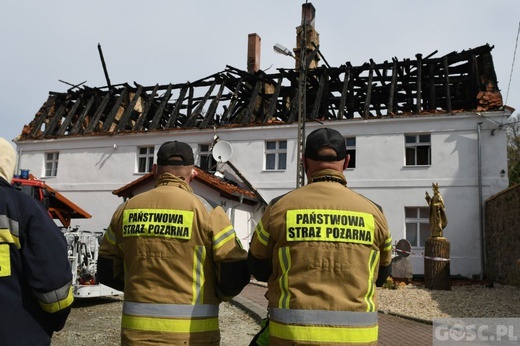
[456, 82]
[227, 189]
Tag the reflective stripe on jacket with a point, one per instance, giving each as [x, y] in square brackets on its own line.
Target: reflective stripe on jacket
[173, 317]
[171, 243]
[320, 326]
[35, 274]
[325, 243]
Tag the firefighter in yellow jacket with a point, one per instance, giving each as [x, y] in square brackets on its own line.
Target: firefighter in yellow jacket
[322, 249]
[176, 257]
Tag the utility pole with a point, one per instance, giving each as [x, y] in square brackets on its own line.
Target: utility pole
[307, 56]
[302, 105]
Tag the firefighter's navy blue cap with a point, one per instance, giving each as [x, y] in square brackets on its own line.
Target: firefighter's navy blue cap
[325, 137]
[175, 153]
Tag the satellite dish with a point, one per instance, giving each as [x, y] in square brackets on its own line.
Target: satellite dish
[222, 151]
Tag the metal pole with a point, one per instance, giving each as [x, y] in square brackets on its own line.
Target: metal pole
[302, 109]
[480, 206]
[301, 135]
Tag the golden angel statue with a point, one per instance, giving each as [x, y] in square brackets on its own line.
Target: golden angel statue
[438, 220]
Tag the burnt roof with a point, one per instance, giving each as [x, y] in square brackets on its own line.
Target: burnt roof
[458, 81]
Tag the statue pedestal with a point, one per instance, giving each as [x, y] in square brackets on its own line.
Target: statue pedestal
[437, 264]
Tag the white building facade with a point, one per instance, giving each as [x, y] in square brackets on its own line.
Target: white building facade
[395, 161]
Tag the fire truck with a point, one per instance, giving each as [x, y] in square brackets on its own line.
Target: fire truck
[82, 245]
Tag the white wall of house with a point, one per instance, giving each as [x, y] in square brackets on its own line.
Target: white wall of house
[90, 168]
[242, 215]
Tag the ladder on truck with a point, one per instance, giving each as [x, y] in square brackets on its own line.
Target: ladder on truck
[83, 250]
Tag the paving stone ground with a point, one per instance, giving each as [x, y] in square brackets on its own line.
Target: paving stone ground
[393, 330]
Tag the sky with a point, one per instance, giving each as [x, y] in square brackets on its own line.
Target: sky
[170, 41]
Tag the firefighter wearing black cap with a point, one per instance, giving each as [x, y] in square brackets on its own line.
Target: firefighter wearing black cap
[176, 257]
[35, 274]
[322, 249]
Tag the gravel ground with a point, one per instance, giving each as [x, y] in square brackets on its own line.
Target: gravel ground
[97, 321]
[463, 301]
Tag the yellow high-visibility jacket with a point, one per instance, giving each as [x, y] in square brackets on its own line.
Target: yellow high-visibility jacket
[173, 248]
[323, 244]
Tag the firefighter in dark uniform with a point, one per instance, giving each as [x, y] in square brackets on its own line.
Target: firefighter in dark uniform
[322, 249]
[35, 274]
[175, 255]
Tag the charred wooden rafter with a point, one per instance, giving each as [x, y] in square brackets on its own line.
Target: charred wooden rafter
[462, 81]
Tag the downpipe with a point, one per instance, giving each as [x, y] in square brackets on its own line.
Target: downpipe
[481, 207]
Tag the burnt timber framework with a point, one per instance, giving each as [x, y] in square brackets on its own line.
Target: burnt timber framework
[456, 82]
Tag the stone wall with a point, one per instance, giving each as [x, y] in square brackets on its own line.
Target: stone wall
[502, 228]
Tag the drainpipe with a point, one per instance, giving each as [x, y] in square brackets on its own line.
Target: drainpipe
[232, 215]
[17, 169]
[481, 207]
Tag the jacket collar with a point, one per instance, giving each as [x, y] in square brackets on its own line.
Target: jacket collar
[328, 175]
[173, 180]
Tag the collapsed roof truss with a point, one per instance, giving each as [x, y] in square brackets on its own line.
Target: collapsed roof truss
[237, 98]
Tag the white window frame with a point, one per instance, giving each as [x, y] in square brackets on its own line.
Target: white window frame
[51, 163]
[418, 148]
[148, 158]
[205, 153]
[279, 152]
[421, 225]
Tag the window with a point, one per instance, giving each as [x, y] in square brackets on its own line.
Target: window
[145, 159]
[418, 150]
[351, 150]
[275, 155]
[206, 160]
[417, 225]
[51, 164]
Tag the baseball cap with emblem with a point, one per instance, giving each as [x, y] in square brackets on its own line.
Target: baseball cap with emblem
[325, 137]
[175, 153]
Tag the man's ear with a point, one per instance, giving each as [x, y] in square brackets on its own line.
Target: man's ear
[193, 174]
[345, 164]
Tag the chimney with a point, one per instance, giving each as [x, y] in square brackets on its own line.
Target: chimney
[308, 14]
[253, 53]
[307, 36]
